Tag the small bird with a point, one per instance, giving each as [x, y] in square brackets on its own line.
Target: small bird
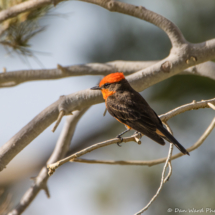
[130, 108]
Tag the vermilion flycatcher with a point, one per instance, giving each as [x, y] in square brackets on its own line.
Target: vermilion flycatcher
[131, 109]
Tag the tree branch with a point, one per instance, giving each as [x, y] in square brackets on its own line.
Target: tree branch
[23, 7]
[173, 32]
[152, 162]
[180, 58]
[163, 178]
[52, 167]
[164, 118]
[140, 12]
[61, 148]
[10, 79]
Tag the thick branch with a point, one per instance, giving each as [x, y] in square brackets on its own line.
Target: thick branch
[14, 78]
[61, 148]
[179, 59]
[140, 12]
[10, 79]
[174, 34]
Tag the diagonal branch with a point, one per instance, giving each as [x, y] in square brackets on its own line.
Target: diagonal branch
[52, 167]
[164, 118]
[61, 148]
[152, 162]
[10, 79]
[180, 58]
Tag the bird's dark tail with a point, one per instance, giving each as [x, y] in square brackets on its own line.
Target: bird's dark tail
[172, 139]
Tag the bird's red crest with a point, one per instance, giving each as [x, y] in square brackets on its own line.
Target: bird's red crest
[112, 78]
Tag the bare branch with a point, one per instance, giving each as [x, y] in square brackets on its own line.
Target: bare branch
[152, 162]
[191, 106]
[206, 69]
[176, 62]
[15, 78]
[211, 106]
[23, 7]
[61, 148]
[163, 180]
[52, 167]
[46, 117]
[110, 162]
[174, 34]
[59, 118]
[196, 145]
[140, 12]
[164, 117]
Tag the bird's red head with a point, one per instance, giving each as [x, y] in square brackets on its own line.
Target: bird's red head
[112, 78]
[105, 83]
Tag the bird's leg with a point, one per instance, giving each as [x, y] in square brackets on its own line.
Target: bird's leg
[119, 136]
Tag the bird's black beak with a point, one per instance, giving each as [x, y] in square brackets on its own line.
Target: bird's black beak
[96, 88]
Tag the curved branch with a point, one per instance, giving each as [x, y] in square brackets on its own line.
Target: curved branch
[191, 106]
[140, 12]
[173, 32]
[151, 162]
[53, 166]
[179, 59]
[61, 148]
[10, 79]
[164, 118]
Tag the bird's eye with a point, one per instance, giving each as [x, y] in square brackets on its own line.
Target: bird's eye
[106, 85]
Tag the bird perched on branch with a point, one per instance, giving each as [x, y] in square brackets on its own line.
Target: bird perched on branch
[131, 109]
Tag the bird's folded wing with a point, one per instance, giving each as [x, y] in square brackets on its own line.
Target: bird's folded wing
[132, 115]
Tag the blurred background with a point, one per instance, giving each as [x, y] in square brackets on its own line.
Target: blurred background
[78, 33]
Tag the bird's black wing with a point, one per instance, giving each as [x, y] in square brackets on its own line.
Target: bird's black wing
[134, 111]
[131, 109]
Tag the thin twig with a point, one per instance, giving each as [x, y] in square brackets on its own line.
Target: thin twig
[60, 116]
[190, 106]
[54, 166]
[211, 105]
[152, 162]
[167, 116]
[163, 180]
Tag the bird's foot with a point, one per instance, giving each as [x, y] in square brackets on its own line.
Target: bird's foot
[121, 139]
